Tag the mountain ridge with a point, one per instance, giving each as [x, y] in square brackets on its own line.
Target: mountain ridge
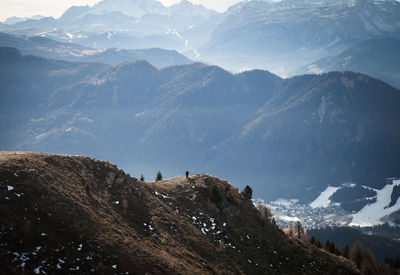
[375, 57]
[325, 129]
[284, 35]
[118, 224]
[277, 36]
[49, 48]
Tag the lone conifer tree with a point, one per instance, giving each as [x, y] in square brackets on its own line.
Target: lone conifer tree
[290, 230]
[247, 192]
[356, 254]
[312, 240]
[346, 252]
[159, 176]
[299, 230]
[141, 177]
[215, 194]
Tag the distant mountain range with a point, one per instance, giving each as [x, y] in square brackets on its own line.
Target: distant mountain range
[379, 58]
[126, 24]
[283, 137]
[14, 19]
[283, 35]
[45, 47]
[278, 36]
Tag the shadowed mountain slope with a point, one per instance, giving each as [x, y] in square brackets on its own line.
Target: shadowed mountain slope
[77, 214]
[283, 135]
[335, 127]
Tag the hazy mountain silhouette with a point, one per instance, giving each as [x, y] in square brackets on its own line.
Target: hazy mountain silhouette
[283, 136]
[277, 36]
[379, 58]
[282, 36]
[49, 48]
[126, 24]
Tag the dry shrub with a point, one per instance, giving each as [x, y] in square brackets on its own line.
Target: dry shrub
[265, 211]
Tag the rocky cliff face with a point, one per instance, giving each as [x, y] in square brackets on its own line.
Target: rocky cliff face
[76, 214]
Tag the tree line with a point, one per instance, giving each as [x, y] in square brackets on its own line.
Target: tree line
[363, 258]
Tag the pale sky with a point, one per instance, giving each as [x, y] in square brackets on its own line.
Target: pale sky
[55, 8]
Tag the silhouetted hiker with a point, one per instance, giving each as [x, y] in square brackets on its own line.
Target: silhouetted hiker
[187, 174]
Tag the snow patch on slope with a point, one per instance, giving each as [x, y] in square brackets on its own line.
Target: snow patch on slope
[371, 214]
[323, 199]
[289, 218]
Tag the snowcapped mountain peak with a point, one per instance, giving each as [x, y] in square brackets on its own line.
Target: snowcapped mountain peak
[138, 8]
[185, 3]
[189, 9]
[135, 8]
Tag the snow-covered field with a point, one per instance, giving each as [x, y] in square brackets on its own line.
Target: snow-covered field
[323, 199]
[322, 211]
[371, 214]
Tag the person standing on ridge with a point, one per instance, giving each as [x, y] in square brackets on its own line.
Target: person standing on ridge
[187, 174]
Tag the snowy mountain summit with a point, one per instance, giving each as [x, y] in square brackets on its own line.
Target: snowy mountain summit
[139, 8]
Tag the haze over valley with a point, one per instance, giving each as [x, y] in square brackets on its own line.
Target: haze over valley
[298, 100]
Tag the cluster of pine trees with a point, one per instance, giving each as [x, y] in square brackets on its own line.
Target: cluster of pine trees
[159, 177]
[363, 258]
[297, 231]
